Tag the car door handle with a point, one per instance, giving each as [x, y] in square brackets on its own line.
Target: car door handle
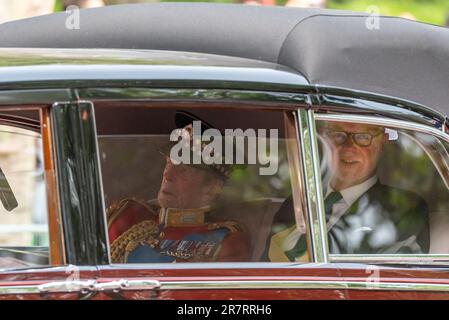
[123, 284]
[87, 286]
[82, 286]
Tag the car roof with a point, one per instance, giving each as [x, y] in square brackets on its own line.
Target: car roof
[56, 67]
[358, 51]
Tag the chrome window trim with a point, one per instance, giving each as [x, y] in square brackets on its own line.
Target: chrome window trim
[315, 203]
[425, 259]
[386, 122]
[151, 94]
[326, 98]
[83, 112]
[43, 96]
[262, 100]
[92, 286]
[100, 175]
[381, 104]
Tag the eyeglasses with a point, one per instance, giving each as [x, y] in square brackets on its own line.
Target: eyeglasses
[362, 139]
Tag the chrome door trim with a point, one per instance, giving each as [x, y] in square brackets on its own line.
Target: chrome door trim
[300, 285]
[92, 286]
[315, 203]
[82, 286]
[392, 259]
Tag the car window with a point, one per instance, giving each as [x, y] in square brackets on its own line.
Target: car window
[220, 211]
[24, 239]
[385, 189]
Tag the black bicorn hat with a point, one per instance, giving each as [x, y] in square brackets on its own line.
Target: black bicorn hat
[184, 120]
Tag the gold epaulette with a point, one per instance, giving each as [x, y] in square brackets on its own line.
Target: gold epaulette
[143, 232]
[114, 210]
[231, 225]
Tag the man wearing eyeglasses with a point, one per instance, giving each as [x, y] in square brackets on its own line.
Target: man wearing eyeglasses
[355, 150]
[363, 216]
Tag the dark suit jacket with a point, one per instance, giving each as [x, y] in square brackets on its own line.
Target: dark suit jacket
[383, 220]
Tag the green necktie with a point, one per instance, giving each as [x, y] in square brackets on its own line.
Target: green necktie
[329, 202]
[301, 246]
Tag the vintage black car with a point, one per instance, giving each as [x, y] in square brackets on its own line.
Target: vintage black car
[89, 99]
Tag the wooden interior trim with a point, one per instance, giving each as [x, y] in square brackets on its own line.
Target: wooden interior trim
[56, 239]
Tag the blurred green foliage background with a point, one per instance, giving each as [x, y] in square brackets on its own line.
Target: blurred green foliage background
[430, 11]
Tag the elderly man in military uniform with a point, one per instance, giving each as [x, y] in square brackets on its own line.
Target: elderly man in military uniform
[176, 227]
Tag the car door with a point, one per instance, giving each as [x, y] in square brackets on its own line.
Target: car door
[140, 127]
[132, 130]
[413, 162]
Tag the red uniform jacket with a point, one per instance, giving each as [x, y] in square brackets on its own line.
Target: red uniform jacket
[141, 232]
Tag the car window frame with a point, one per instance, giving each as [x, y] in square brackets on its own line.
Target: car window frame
[296, 103]
[394, 259]
[56, 243]
[55, 227]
